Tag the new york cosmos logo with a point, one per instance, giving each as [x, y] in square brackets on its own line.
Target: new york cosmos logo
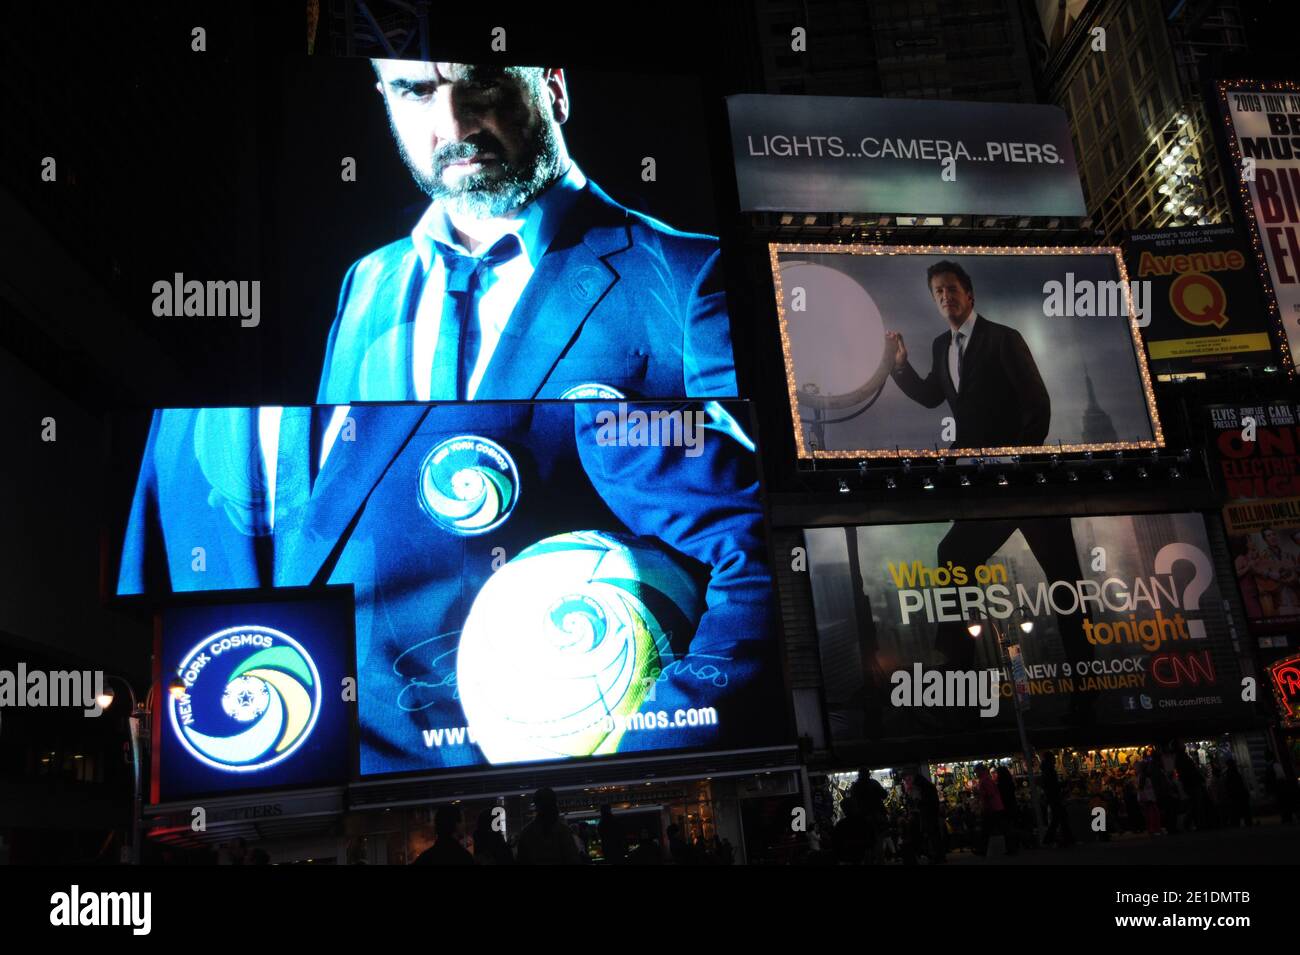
[252, 696]
[468, 484]
[592, 390]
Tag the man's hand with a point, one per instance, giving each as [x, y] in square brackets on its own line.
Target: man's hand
[895, 340]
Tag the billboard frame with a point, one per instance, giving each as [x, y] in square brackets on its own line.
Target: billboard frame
[1222, 89]
[792, 391]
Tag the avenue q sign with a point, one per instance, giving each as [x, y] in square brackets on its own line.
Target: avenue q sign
[851, 154]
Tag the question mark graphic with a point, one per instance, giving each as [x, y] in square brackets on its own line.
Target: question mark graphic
[1169, 555]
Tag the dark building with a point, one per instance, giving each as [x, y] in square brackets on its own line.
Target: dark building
[956, 49]
[1128, 74]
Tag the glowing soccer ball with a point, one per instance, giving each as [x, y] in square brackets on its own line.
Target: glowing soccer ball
[245, 698]
[567, 639]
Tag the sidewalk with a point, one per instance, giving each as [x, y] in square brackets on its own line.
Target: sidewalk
[1267, 843]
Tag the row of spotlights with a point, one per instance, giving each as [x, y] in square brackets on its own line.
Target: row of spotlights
[1072, 476]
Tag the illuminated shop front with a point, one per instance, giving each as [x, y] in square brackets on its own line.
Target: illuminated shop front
[1091, 777]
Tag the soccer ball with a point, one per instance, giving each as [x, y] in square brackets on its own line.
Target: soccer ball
[568, 638]
[245, 698]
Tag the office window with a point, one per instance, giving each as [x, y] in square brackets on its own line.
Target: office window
[1092, 69]
[1110, 155]
[1137, 66]
[1105, 110]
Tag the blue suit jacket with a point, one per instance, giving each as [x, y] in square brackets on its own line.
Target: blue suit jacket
[618, 299]
[415, 581]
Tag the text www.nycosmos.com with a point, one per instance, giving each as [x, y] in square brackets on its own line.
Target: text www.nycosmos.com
[648, 721]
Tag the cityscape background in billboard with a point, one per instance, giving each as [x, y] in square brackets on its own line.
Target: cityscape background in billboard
[1127, 614]
[1053, 359]
[533, 582]
[853, 154]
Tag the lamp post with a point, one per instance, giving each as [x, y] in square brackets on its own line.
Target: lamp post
[139, 713]
[1026, 626]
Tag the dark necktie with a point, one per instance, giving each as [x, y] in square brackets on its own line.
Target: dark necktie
[961, 355]
[460, 336]
[302, 431]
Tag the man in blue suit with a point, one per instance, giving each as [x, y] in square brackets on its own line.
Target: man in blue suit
[522, 279]
[417, 507]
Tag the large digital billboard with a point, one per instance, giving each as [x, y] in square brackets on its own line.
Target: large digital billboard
[923, 351]
[253, 694]
[1263, 121]
[485, 231]
[532, 581]
[1118, 620]
[852, 154]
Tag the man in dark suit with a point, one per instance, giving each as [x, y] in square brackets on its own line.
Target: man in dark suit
[379, 497]
[987, 375]
[982, 369]
[522, 279]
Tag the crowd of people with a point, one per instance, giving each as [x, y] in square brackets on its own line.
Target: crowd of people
[1154, 792]
[550, 840]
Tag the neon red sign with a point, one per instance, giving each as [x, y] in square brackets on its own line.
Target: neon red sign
[1286, 688]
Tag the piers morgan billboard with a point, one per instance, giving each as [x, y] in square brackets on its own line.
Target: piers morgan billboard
[1118, 620]
[927, 351]
[853, 154]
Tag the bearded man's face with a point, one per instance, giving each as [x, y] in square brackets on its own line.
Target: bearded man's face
[484, 140]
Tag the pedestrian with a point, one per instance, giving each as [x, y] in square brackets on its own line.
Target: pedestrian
[547, 840]
[929, 817]
[446, 848]
[726, 852]
[1167, 789]
[613, 840]
[1216, 795]
[1234, 786]
[871, 797]
[1010, 808]
[678, 849]
[1076, 809]
[1058, 822]
[490, 846]
[647, 851]
[849, 838]
[580, 843]
[1147, 798]
[1193, 785]
[1132, 808]
[991, 808]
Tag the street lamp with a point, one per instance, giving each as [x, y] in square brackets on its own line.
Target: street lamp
[975, 628]
[139, 713]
